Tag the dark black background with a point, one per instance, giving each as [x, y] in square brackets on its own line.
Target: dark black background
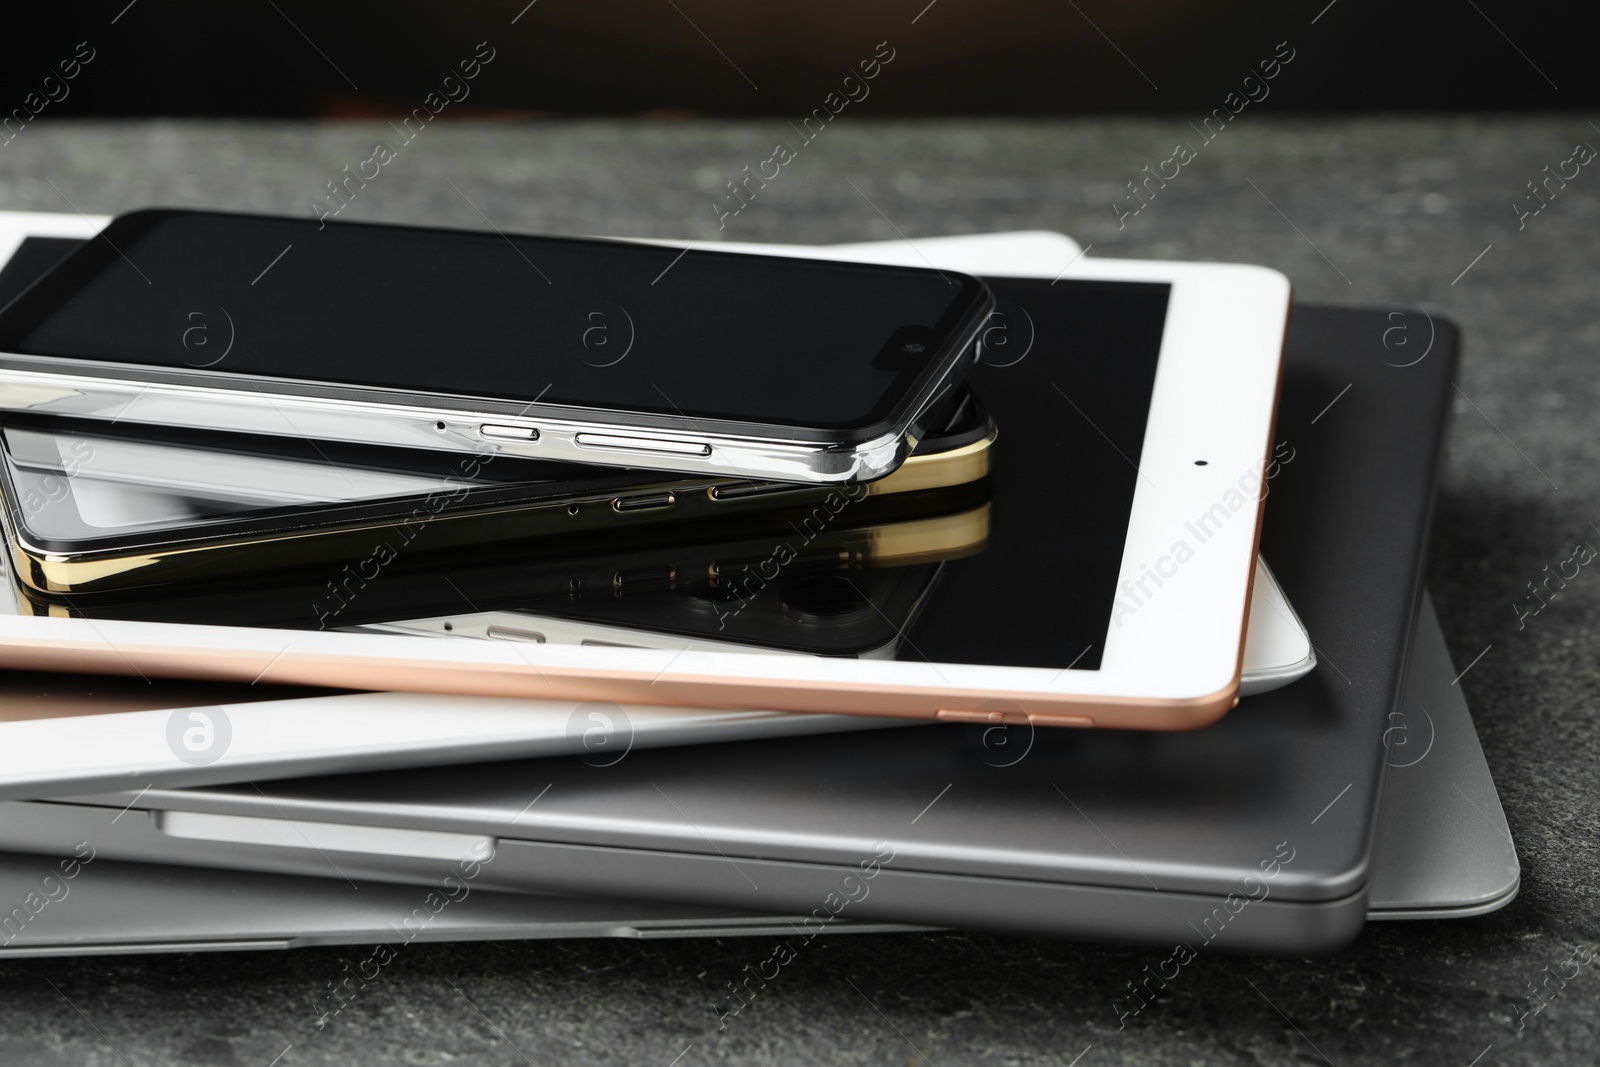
[294, 58]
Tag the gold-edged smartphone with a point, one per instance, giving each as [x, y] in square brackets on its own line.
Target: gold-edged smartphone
[841, 581]
[91, 509]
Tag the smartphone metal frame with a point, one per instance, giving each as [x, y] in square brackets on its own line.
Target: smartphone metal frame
[192, 398]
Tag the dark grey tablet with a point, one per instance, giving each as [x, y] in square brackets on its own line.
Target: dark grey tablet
[1256, 833]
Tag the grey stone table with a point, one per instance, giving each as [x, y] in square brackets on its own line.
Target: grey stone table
[1353, 211]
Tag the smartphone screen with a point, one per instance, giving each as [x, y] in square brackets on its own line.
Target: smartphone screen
[592, 324]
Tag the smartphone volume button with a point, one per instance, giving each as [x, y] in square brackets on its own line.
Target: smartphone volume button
[503, 432]
[745, 490]
[622, 443]
[645, 502]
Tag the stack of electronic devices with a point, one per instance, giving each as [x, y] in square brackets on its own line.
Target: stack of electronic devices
[552, 587]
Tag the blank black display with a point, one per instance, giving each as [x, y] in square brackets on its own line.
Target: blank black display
[592, 324]
[1072, 415]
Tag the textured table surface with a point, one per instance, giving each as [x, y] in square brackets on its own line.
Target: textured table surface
[1383, 211]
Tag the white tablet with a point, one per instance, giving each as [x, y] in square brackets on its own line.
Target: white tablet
[1139, 401]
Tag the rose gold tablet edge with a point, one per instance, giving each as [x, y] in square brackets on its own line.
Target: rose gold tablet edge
[555, 682]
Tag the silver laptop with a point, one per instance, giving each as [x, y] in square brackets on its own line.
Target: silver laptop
[1442, 849]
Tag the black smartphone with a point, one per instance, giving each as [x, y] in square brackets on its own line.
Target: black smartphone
[579, 350]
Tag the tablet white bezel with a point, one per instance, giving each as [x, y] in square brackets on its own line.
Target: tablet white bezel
[1171, 663]
[300, 736]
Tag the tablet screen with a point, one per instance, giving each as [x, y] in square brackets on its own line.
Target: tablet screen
[1069, 386]
[1018, 571]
